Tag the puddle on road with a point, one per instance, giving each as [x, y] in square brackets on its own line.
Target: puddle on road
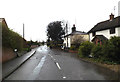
[42, 49]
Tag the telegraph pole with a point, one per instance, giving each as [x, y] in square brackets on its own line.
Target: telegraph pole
[67, 34]
[114, 10]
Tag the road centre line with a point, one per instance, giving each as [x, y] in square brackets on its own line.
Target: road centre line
[64, 77]
[58, 66]
[55, 62]
[51, 56]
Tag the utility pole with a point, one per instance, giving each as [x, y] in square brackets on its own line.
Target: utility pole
[114, 10]
[67, 33]
[23, 30]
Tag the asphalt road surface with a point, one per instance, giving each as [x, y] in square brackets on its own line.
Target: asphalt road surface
[53, 64]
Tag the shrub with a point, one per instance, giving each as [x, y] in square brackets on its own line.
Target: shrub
[73, 47]
[26, 49]
[12, 39]
[97, 51]
[16, 41]
[108, 53]
[111, 50]
[85, 49]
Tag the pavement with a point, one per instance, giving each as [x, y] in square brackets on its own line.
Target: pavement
[12, 65]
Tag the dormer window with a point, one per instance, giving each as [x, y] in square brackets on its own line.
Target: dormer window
[112, 31]
[94, 33]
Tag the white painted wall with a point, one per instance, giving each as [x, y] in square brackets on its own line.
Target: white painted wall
[106, 33]
[90, 37]
[65, 42]
[86, 37]
[71, 38]
[69, 42]
[118, 29]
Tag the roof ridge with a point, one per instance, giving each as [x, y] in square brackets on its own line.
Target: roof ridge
[106, 25]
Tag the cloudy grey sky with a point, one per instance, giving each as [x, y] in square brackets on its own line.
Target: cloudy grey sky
[37, 14]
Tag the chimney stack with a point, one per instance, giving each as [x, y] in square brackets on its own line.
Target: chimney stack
[111, 16]
[73, 28]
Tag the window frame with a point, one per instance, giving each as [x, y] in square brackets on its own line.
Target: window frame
[112, 30]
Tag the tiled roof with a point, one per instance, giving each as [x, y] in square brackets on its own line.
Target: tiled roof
[76, 33]
[106, 25]
[101, 37]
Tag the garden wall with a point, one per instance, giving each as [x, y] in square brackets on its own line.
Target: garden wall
[7, 54]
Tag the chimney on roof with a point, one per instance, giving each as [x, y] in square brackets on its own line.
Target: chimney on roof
[73, 28]
[111, 16]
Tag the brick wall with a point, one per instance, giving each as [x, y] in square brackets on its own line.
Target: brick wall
[7, 54]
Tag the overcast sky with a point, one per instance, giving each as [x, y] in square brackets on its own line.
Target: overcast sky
[37, 14]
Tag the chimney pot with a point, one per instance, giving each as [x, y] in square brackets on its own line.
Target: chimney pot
[73, 28]
[111, 16]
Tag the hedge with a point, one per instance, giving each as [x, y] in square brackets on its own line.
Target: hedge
[12, 39]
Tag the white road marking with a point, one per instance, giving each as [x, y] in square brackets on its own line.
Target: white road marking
[64, 77]
[52, 57]
[36, 71]
[40, 64]
[58, 66]
[55, 62]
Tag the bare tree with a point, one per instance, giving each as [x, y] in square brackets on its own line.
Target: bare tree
[77, 40]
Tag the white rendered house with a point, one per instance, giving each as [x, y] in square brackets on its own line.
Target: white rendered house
[104, 30]
[75, 35]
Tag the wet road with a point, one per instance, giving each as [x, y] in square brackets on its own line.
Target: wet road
[53, 64]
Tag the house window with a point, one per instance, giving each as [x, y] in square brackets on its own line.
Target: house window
[94, 33]
[112, 31]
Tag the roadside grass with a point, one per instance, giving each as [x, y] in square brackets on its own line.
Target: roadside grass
[97, 60]
[107, 64]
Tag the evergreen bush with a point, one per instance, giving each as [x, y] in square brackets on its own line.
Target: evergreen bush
[97, 51]
[111, 50]
[85, 49]
[73, 47]
[12, 39]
